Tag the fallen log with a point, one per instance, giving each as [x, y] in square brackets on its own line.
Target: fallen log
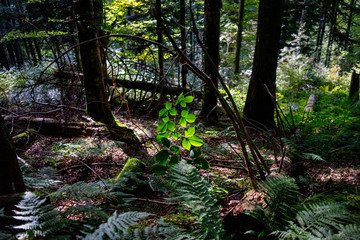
[151, 87]
[55, 127]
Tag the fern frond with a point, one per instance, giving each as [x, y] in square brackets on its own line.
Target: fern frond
[349, 232]
[117, 226]
[160, 231]
[80, 191]
[46, 178]
[40, 218]
[315, 221]
[280, 195]
[193, 191]
[88, 211]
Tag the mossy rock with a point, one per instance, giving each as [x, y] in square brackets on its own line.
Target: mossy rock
[132, 165]
[23, 138]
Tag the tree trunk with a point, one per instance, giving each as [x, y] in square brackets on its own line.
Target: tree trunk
[212, 35]
[347, 34]
[160, 40]
[96, 100]
[260, 99]
[183, 42]
[321, 32]
[331, 32]
[354, 87]
[239, 37]
[11, 180]
[3, 59]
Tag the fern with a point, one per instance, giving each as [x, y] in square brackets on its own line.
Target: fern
[87, 211]
[81, 191]
[280, 195]
[117, 226]
[193, 191]
[348, 232]
[40, 218]
[121, 226]
[46, 178]
[295, 150]
[316, 221]
[160, 231]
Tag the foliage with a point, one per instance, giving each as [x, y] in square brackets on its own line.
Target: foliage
[288, 219]
[84, 147]
[315, 221]
[122, 226]
[81, 191]
[40, 218]
[280, 196]
[194, 192]
[175, 126]
[46, 179]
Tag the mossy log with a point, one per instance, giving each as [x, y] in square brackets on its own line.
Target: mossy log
[55, 127]
[132, 165]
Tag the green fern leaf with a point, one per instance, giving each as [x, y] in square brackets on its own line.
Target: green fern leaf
[117, 226]
[193, 191]
[81, 191]
[40, 218]
[316, 221]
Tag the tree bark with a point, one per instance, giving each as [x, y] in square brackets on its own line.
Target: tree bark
[354, 87]
[211, 39]
[260, 99]
[160, 40]
[334, 13]
[96, 100]
[347, 34]
[321, 32]
[11, 180]
[239, 37]
[183, 42]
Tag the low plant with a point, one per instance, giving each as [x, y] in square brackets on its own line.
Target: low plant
[175, 127]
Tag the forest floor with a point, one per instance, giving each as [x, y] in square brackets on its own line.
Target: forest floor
[95, 158]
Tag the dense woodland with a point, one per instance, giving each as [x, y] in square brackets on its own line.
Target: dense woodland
[214, 119]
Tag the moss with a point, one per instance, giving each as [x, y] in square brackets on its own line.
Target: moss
[132, 165]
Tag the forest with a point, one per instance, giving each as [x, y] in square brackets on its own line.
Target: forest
[188, 119]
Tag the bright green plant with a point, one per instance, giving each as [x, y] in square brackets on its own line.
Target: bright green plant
[175, 127]
[194, 192]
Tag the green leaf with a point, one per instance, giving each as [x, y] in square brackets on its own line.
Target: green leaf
[186, 144]
[189, 132]
[202, 163]
[162, 157]
[190, 118]
[166, 142]
[196, 141]
[175, 149]
[162, 127]
[173, 112]
[176, 136]
[182, 122]
[158, 169]
[183, 104]
[160, 136]
[194, 153]
[168, 106]
[184, 113]
[173, 161]
[188, 99]
[166, 119]
[180, 98]
[163, 113]
[171, 126]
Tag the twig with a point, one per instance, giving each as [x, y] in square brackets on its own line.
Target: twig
[91, 164]
[154, 201]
